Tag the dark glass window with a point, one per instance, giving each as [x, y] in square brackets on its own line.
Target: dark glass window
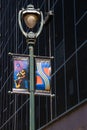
[81, 8]
[59, 55]
[69, 28]
[82, 71]
[71, 82]
[82, 31]
[42, 111]
[60, 92]
[58, 23]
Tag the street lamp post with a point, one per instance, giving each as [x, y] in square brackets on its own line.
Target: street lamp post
[31, 16]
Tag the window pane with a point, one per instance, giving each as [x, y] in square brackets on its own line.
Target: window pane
[59, 55]
[81, 7]
[71, 82]
[60, 91]
[82, 31]
[82, 71]
[69, 28]
[58, 23]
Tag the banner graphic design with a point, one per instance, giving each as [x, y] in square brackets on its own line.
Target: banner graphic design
[43, 74]
[20, 76]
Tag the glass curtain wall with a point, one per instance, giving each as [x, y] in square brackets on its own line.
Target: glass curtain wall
[65, 38]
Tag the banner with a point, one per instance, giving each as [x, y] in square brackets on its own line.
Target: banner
[21, 72]
[43, 74]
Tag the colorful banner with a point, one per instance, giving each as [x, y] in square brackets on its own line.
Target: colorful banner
[21, 72]
[43, 74]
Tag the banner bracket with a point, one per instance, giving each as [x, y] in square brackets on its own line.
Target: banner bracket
[36, 94]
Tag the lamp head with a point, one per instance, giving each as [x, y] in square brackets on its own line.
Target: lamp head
[31, 16]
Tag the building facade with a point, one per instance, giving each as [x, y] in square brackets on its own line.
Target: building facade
[65, 38]
[74, 119]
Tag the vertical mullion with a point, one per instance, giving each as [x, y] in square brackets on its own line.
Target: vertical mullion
[76, 52]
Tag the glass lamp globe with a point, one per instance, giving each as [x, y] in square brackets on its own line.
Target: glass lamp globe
[31, 19]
